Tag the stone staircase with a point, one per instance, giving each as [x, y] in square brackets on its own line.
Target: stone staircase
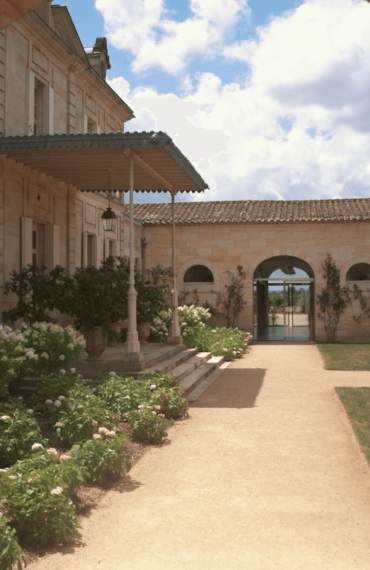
[192, 369]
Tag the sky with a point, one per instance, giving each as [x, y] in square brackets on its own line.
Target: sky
[269, 99]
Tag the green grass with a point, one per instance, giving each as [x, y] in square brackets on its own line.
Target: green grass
[220, 341]
[346, 356]
[357, 404]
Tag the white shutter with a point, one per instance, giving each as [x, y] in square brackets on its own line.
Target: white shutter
[51, 246]
[31, 102]
[48, 110]
[84, 249]
[26, 241]
[98, 129]
[98, 251]
[86, 120]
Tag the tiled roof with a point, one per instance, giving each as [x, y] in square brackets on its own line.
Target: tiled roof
[254, 211]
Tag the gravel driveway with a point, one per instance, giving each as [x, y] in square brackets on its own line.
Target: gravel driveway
[266, 473]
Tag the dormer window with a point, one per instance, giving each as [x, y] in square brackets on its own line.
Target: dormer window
[98, 57]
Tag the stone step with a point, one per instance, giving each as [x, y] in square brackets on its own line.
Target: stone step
[166, 366]
[204, 384]
[191, 381]
[183, 370]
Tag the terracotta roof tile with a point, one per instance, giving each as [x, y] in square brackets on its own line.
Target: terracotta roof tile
[254, 211]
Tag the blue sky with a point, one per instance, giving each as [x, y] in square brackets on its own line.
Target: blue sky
[267, 98]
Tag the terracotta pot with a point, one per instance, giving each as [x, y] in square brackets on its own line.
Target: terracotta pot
[116, 328]
[143, 330]
[96, 343]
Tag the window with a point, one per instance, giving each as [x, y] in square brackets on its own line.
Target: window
[90, 249]
[41, 107]
[198, 274]
[91, 126]
[359, 272]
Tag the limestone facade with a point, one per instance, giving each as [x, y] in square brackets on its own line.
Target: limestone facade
[223, 247]
[49, 84]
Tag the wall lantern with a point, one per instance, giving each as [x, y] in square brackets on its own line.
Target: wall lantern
[109, 220]
[108, 217]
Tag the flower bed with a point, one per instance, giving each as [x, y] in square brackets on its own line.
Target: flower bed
[228, 342]
[38, 482]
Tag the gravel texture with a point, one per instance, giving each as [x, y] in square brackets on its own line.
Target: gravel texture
[266, 473]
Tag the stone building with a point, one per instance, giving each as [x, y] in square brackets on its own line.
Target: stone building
[51, 85]
[280, 245]
[61, 132]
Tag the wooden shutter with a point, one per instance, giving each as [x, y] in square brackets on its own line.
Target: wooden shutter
[26, 241]
[51, 246]
[31, 102]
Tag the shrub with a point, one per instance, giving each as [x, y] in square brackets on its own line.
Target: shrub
[53, 347]
[11, 356]
[42, 509]
[192, 317]
[221, 341]
[51, 386]
[81, 415]
[146, 424]
[18, 432]
[102, 457]
[10, 551]
[120, 394]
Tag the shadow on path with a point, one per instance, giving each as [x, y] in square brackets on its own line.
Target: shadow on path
[234, 388]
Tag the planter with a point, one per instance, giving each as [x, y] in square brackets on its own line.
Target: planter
[116, 328]
[96, 343]
[143, 330]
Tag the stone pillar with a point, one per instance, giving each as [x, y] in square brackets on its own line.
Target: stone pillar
[132, 346]
[175, 332]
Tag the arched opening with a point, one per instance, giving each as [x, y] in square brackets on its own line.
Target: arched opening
[198, 274]
[359, 272]
[283, 306]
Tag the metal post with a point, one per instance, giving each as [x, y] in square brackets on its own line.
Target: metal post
[175, 331]
[132, 343]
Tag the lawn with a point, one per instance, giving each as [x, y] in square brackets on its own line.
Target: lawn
[357, 404]
[346, 356]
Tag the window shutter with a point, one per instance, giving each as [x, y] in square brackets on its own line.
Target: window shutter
[98, 129]
[98, 251]
[51, 246]
[85, 124]
[84, 249]
[31, 102]
[48, 93]
[26, 241]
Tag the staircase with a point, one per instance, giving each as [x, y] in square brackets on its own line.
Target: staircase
[190, 367]
[193, 370]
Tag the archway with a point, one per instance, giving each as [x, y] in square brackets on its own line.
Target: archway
[283, 300]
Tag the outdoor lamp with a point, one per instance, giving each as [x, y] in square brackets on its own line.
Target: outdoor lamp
[109, 220]
[108, 216]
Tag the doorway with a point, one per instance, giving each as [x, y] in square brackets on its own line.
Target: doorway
[283, 300]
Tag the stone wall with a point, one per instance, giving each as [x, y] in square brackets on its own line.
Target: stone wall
[35, 52]
[224, 247]
[26, 193]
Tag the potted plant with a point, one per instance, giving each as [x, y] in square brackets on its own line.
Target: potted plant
[94, 297]
[118, 270]
[38, 293]
[150, 302]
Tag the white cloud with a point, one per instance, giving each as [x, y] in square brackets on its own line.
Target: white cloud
[143, 28]
[299, 124]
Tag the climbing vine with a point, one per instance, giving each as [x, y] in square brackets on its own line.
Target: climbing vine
[334, 298]
[232, 297]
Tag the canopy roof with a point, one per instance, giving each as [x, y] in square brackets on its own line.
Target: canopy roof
[101, 161]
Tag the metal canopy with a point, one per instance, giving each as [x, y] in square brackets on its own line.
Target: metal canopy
[102, 161]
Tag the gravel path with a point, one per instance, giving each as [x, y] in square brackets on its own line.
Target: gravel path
[266, 473]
